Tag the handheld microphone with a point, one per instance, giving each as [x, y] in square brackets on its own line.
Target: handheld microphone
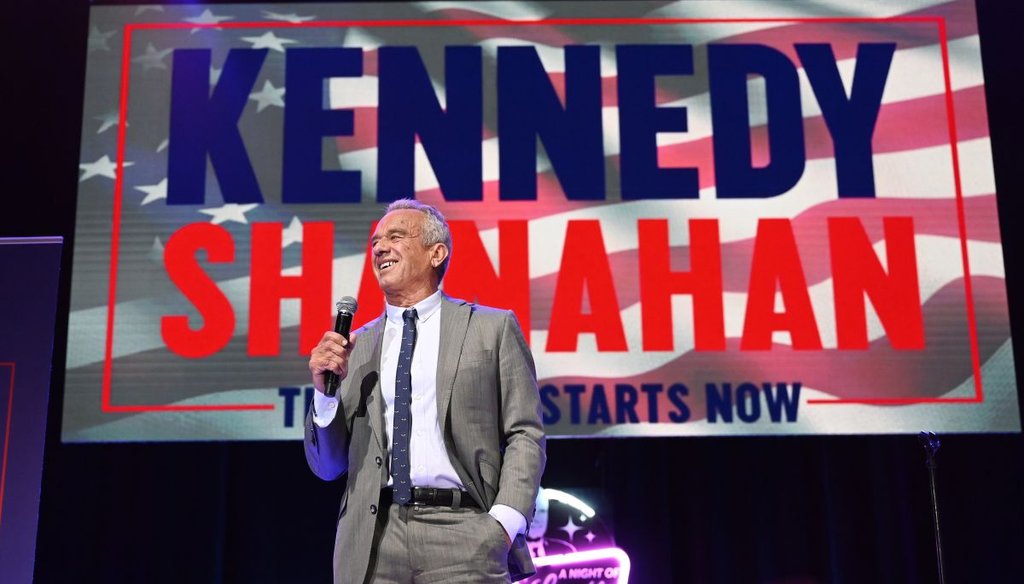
[342, 324]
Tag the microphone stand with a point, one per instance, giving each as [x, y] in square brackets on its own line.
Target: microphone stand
[931, 447]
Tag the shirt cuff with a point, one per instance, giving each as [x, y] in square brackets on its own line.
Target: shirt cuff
[511, 520]
[324, 409]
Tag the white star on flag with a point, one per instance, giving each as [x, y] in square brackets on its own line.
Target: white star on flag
[153, 192]
[230, 212]
[268, 40]
[292, 233]
[358, 37]
[571, 528]
[162, 146]
[214, 75]
[156, 253]
[290, 17]
[109, 121]
[268, 96]
[152, 59]
[207, 17]
[102, 167]
[98, 40]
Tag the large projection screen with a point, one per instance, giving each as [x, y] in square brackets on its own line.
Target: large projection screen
[711, 218]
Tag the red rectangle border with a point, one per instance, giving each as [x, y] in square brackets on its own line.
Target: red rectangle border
[940, 23]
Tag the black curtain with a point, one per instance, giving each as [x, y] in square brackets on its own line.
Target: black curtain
[721, 510]
[793, 510]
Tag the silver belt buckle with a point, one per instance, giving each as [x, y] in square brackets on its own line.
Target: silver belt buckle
[417, 501]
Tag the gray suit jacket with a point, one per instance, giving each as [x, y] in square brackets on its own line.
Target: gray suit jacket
[489, 410]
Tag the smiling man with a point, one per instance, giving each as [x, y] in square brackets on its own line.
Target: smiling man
[436, 426]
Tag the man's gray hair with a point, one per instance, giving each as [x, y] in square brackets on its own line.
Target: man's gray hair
[435, 228]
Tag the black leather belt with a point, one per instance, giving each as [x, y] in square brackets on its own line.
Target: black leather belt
[432, 496]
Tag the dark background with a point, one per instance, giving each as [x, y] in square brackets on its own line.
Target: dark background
[791, 510]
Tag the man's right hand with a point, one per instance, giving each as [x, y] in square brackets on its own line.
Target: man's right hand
[330, 354]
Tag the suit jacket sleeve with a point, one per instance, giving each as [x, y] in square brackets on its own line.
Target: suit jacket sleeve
[327, 449]
[524, 441]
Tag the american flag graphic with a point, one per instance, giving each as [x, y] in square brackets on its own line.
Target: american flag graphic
[931, 161]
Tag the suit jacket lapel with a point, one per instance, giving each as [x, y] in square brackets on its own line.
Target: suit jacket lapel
[454, 324]
[374, 402]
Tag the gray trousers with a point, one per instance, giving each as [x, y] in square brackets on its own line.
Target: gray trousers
[427, 544]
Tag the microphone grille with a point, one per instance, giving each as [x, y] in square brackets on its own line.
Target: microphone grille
[347, 304]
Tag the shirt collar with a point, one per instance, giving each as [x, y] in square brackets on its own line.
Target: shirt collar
[425, 309]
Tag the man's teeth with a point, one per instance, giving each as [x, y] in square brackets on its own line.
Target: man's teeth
[386, 265]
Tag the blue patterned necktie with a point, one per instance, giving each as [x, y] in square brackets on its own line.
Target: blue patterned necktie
[401, 482]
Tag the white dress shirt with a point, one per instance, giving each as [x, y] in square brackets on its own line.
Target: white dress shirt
[430, 465]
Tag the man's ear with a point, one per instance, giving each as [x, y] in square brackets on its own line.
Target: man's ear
[438, 253]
